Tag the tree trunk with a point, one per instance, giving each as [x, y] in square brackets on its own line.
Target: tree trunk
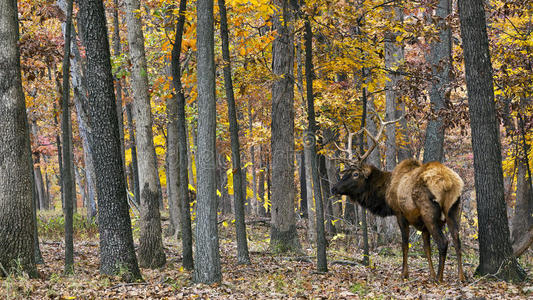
[310, 141]
[238, 193]
[118, 83]
[283, 235]
[440, 61]
[182, 145]
[117, 253]
[310, 203]
[207, 267]
[134, 165]
[66, 133]
[151, 253]
[394, 56]
[303, 186]
[261, 185]
[17, 224]
[496, 256]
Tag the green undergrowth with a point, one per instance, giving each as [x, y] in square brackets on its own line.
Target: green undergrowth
[51, 226]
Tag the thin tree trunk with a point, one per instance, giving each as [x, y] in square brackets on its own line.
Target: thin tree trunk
[496, 253]
[117, 253]
[17, 227]
[310, 142]
[261, 182]
[66, 130]
[207, 267]
[118, 83]
[310, 203]
[181, 136]
[238, 193]
[393, 57]
[134, 165]
[303, 186]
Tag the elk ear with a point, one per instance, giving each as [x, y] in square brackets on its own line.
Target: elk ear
[366, 170]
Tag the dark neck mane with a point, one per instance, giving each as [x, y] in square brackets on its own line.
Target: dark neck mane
[373, 197]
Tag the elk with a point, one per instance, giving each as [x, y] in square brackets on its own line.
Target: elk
[425, 196]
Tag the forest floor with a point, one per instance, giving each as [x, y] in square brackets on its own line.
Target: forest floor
[268, 277]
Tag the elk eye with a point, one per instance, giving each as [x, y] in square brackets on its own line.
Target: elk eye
[355, 175]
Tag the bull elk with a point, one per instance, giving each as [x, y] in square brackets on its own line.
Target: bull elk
[425, 196]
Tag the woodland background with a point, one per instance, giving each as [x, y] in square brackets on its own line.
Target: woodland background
[385, 53]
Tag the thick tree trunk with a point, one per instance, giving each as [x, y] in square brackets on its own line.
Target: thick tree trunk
[17, 224]
[151, 253]
[440, 61]
[239, 194]
[182, 189]
[496, 255]
[283, 235]
[207, 267]
[117, 253]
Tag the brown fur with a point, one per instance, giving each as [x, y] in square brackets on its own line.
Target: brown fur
[423, 195]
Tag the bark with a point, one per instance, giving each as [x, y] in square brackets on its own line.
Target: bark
[182, 145]
[310, 203]
[394, 55]
[17, 224]
[42, 201]
[36, 248]
[311, 143]
[238, 193]
[283, 235]
[151, 253]
[118, 83]
[253, 202]
[303, 187]
[261, 185]
[496, 255]
[134, 165]
[325, 187]
[364, 225]
[66, 133]
[207, 267]
[440, 61]
[117, 253]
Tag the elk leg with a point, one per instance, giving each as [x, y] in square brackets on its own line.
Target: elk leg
[453, 221]
[427, 249]
[404, 228]
[434, 229]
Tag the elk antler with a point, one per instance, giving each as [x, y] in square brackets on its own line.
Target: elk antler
[361, 157]
[378, 135]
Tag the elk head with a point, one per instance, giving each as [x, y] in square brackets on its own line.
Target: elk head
[356, 173]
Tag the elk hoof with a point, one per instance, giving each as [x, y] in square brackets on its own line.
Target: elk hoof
[405, 275]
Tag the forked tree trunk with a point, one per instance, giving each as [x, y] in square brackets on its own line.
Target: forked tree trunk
[17, 224]
[182, 146]
[117, 253]
[496, 254]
